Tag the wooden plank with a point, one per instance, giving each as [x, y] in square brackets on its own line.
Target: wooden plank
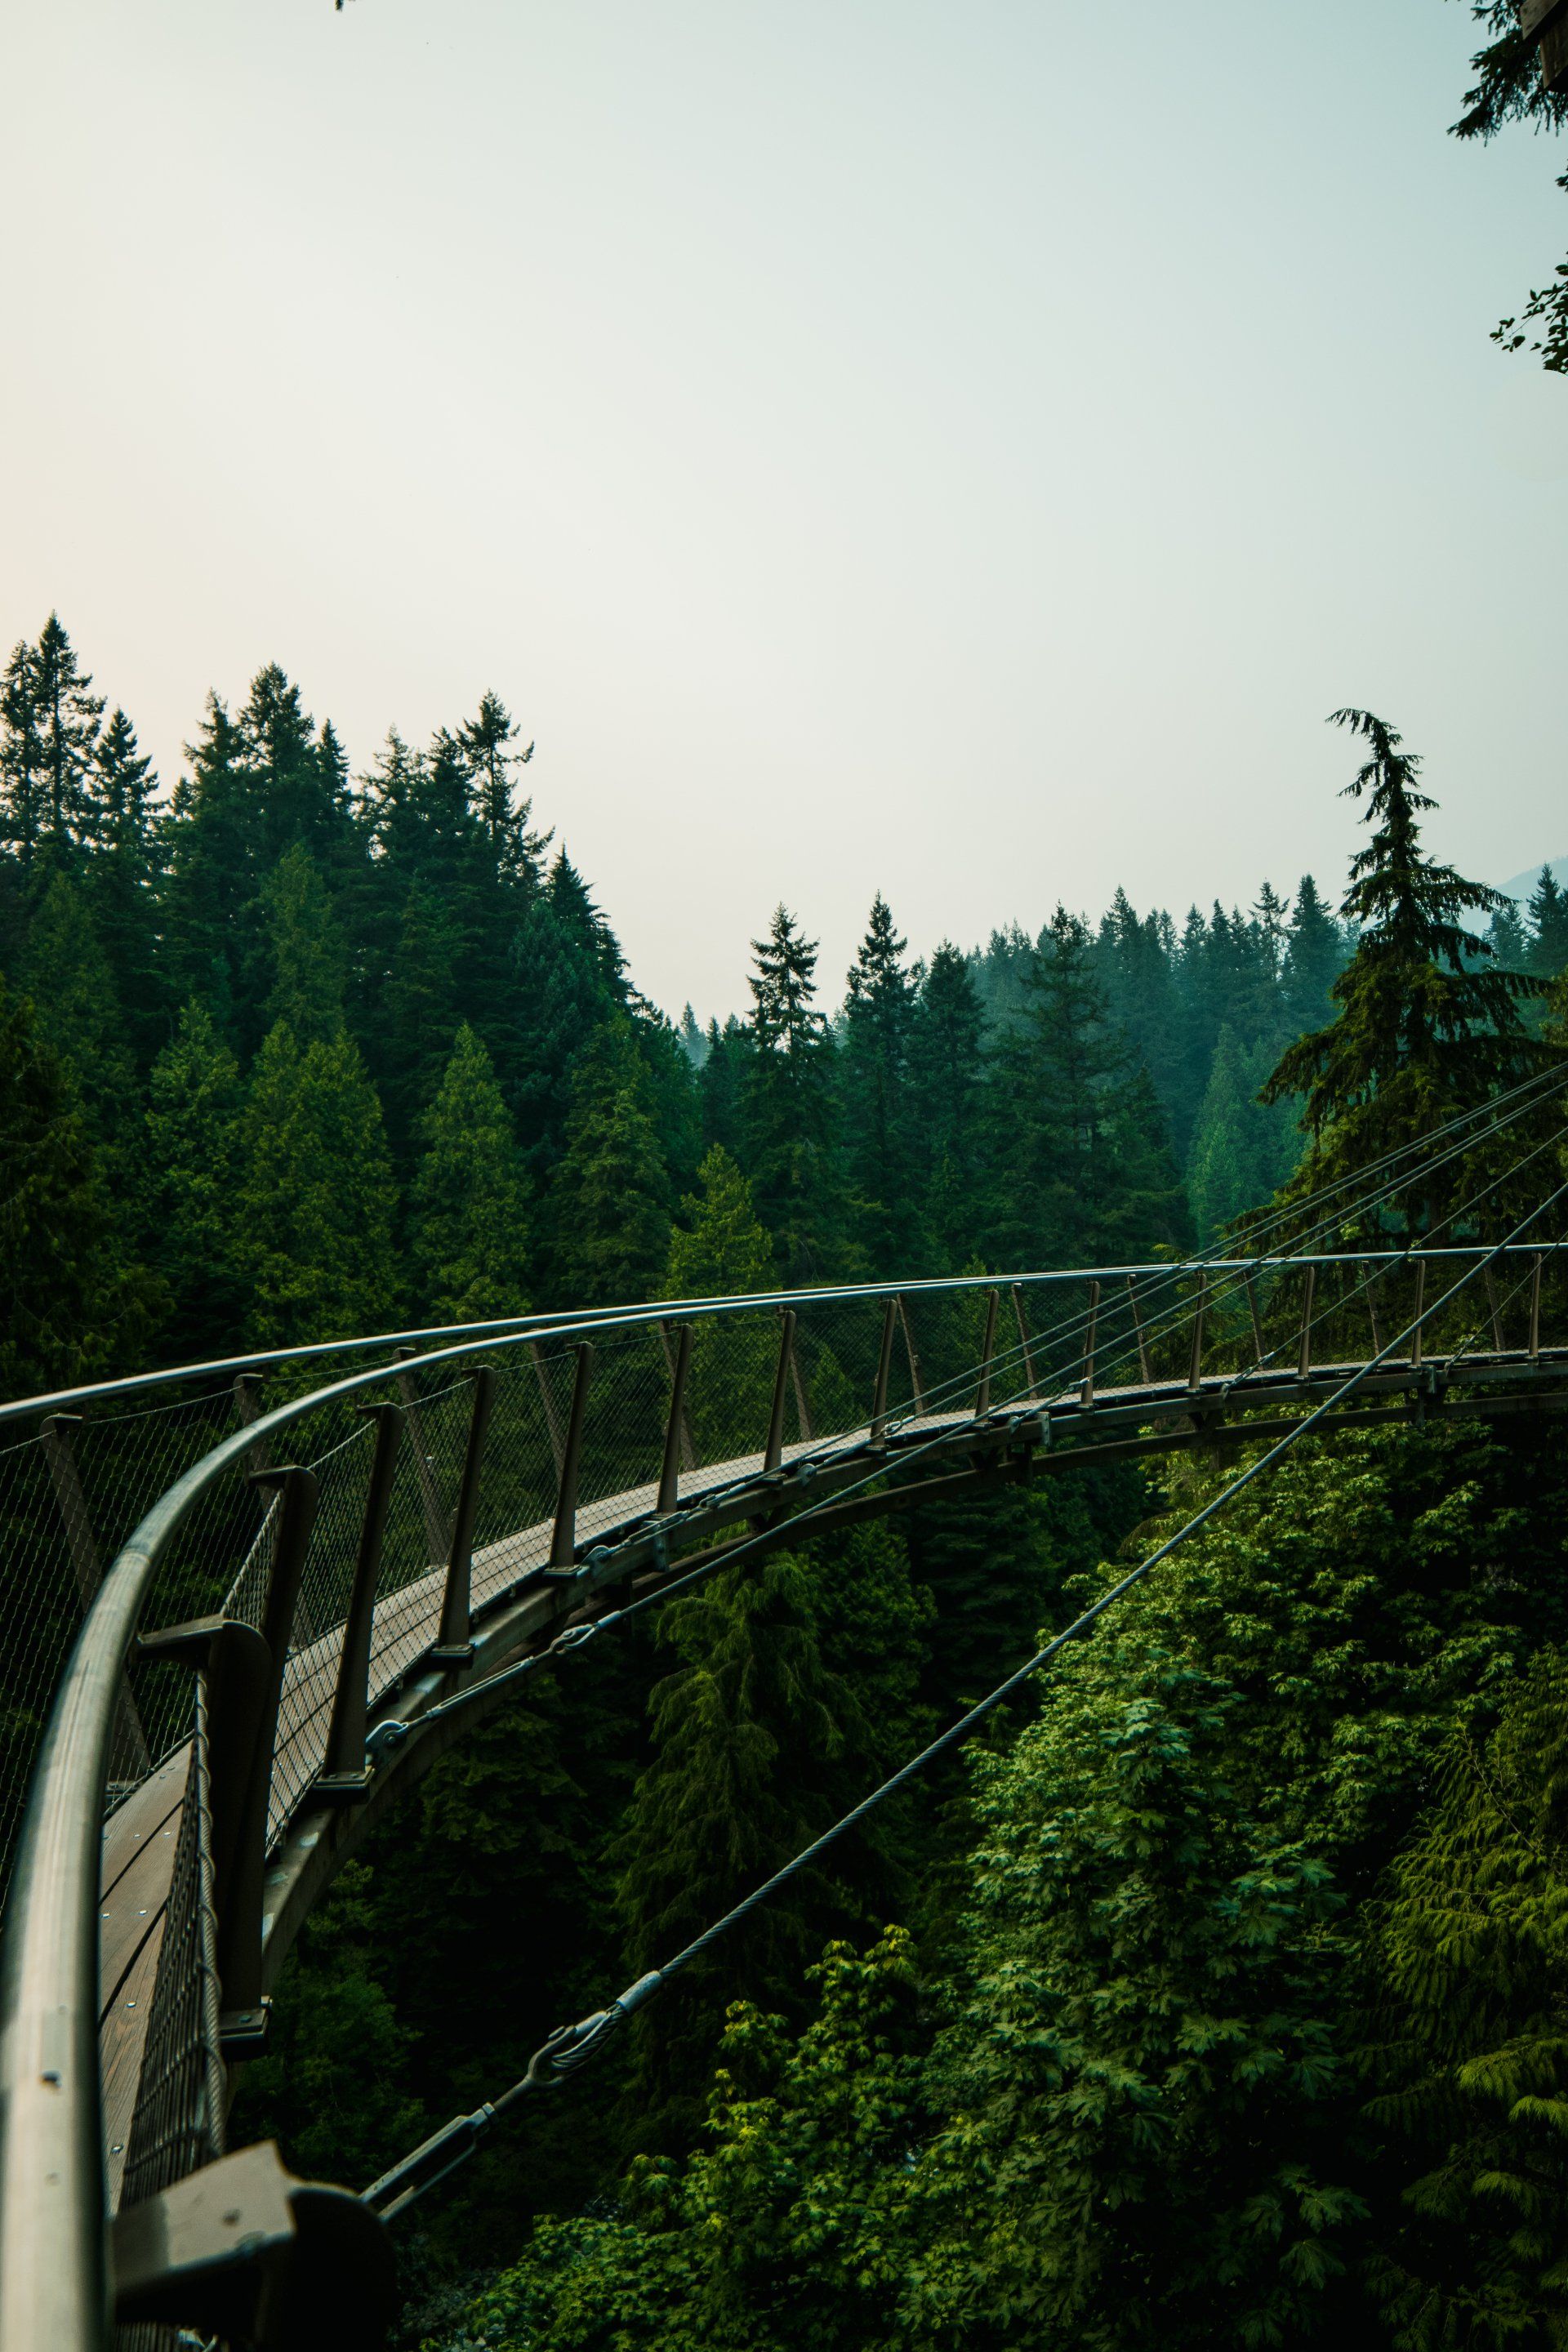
[121, 2043]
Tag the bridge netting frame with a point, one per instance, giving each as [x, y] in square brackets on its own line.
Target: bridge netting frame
[371, 1550]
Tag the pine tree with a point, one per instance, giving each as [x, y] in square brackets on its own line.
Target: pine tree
[468, 1201]
[316, 1199]
[23, 798]
[874, 1076]
[788, 1106]
[69, 1308]
[216, 868]
[76, 1006]
[1549, 925]
[720, 1251]
[485, 743]
[1314, 958]
[749, 1731]
[305, 949]
[1242, 1150]
[1426, 1027]
[559, 1002]
[608, 1203]
[721, 1085]
[69, 716]
[1506, 938]
[191, 1181]
[121, 877]
[946, 1107]
[420, 1004]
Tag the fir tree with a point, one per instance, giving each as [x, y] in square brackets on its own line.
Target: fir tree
[468, 1201]
[559, 1001]
[305, 949]
[69, 1308]
[23, 798]
[316, 1199]
[120, 877]
[68, 717]
[1426, 1027]
[721, 1085]
[1314, 958]
[420, 1002]
[874, 1075]
[946, 1105]
[788, 1108]
[1548, 926]
[714, 1813]
[76, 1006]
[190, 1198]
[485, 741]
[720, 1251]
[609, 1200]
[1242, 1148]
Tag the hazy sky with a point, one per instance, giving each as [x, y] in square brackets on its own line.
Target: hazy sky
[958, 447]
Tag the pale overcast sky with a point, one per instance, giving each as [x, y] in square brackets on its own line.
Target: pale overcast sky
[958, 447]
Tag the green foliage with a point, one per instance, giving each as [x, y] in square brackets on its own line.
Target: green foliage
[1243, 1149]
[316, 1197]
[68, 1304]
[76, 1008]
[305, 949]
[789, 1117]
[611, 1218]
[192, 1168]
[1425, 1026]
[469, 1202]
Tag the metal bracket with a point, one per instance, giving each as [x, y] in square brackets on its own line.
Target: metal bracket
[243, 2250]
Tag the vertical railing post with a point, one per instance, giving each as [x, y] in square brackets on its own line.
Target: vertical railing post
[773, 1453]
[916, 1387]
[1535, 1307]
[437, 1534]
[1372, 1284]
[453, 1645]
[1086, 1398]
[344, 1773]
[802, 1409]
[982, 1393]
[239, 1920]
[1196, 1363]
[688, 1450]
[1487, 1278]
[129, 1760]
[247, 1404]
[1252, 1311]
[563, 1539]
[1031, 1391]
[1143, 1372]
[1304, 1360]
[884, 1369]
[552, 1410]
[675, 1427]
[1418, 1337]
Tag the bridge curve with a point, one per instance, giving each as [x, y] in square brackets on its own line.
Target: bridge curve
[377, 1589]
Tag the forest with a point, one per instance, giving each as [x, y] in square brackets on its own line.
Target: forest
[1214, 1996]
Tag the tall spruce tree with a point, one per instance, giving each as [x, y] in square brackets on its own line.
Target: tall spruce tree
[1427, 1026]
[77, 1006]
[316, 1198]
[70, 1307]
[789, 1124]
[609, 1200]
[191, 1172]
[946, 1117]
[1314, 958]
[305, 949]
[1548, 950]
[468, 1201]
[720, 1251]
[874, 1077]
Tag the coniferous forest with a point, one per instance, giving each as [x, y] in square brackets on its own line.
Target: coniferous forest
[1215, 1996]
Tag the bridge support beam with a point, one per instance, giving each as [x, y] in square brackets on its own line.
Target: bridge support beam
[982, 1394]
[453, 1645]
[772, 1453]
[563, 1538]
[884, 1367]
[345, 1773]
[676, 1442]
[239, 1912]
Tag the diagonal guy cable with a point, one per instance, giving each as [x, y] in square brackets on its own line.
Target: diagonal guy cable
[570, 2046]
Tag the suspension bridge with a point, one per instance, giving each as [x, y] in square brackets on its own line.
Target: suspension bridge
[247, 1604]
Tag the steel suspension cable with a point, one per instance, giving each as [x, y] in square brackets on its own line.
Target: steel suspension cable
[570, 2046]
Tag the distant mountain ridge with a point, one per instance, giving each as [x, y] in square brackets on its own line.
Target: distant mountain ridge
[1524, 884]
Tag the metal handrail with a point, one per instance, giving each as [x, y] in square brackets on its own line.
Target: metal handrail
[53, 2266]
[564, 1323]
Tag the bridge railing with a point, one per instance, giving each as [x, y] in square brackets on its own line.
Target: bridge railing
[318, 1543]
